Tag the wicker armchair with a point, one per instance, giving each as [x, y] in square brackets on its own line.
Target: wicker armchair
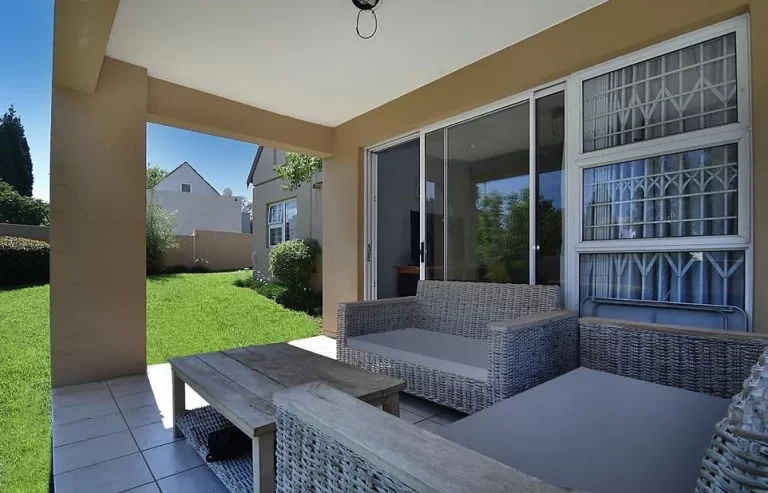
[327, 441]
[513, 320]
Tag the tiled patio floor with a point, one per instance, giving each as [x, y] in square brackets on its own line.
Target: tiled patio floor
[116, 436]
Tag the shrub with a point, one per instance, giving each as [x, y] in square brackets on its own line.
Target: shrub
[301, 299]
[293, 262]
[272, 290]
[160, 238]
[18, 209]
[200, 267]
[23, 261]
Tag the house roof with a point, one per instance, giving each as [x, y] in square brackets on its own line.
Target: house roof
[249, 180]
[193, 169]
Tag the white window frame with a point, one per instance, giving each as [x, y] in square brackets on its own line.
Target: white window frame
[278, 224]
[738, 133]
[181, 187]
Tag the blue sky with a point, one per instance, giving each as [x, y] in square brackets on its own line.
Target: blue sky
[26, 46]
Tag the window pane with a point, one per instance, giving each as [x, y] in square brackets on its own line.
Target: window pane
[707, 278]
[275, 235]
[682, 91]
[186, 187]
[550, 139]
[686, 194]
[291, 213]
[275, 213]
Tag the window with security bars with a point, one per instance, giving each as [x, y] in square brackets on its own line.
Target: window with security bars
[281, 222]
[706, 278]
[667, 221]
[693, 193]
[682, 91]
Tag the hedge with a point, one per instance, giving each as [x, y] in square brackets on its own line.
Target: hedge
[23, 261]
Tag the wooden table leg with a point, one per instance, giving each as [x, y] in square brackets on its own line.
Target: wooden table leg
[392, 404]
[264, 463]
[179, 404]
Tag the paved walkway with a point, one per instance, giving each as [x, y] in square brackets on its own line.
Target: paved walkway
[116, 436]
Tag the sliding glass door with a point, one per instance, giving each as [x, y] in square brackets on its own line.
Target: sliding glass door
[494, 196]
[480, 200]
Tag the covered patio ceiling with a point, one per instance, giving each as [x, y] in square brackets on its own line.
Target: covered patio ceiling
[303, 58]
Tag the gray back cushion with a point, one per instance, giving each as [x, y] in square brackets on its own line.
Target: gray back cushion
[466, 308]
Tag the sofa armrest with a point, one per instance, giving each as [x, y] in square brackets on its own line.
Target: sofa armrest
[709, 361]
[371, 317]
[329, 441]
[527, 351]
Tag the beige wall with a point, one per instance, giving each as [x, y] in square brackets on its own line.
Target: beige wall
[25, 231]
[595, 36]
[309, 223]
[221, 250]
[98, 177]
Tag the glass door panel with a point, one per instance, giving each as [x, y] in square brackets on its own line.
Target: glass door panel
[550, 141]
[434, 204]
[488, 197]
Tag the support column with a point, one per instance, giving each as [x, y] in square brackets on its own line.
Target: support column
[342, 233]
[98, 200]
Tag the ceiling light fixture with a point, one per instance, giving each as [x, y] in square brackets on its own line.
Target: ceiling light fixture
[367, 6]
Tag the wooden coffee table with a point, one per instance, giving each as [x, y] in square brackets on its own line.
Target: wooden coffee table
[239, 384]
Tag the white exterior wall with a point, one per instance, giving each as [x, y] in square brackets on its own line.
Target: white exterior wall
[186, 174]
[201, 211]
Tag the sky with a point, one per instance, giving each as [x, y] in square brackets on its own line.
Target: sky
[26, 47]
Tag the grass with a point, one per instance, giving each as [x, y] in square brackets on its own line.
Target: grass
[186, 314]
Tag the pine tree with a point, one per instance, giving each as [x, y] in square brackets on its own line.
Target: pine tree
[15, 159]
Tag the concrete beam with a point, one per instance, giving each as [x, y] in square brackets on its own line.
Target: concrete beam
[80, 35]
[179, 106]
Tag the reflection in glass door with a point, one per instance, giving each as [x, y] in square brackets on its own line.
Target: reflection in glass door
[479, 205]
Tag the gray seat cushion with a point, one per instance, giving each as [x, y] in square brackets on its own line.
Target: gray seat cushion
[598, 432]
[459, 355]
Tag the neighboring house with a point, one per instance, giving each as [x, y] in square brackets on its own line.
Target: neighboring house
[279, 215]
[196, 203]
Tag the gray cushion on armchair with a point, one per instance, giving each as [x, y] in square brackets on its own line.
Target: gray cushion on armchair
[460, 355]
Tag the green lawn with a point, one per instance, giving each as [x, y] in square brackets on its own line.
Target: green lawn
[186, 314]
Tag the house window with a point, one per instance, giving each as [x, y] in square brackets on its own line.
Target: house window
[662, 160]
[281, 222]
[186, 187]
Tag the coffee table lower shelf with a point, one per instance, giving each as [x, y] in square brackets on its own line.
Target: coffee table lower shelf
[196, 424]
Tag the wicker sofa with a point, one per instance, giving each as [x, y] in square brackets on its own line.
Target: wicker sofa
[452, 342]
[330, 442]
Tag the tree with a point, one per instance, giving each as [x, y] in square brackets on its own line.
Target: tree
[503, 234]
[160, 226]
[298, 169]
[154, 176]
[18, 209]
[15, 159]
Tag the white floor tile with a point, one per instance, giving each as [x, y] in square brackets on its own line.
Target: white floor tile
[146, 415]
[197, 480]
[131, 387]
[133, 401]
[88, 428]
[106, 477]
[448, 417]
[78, 389]
[430, 425]
[70, 414]
[71, 396]
[410, 417]
[418, 406]
[147, 488]
[117, 382]
[93, 451]
[322, 345]
[171, 459]
[153, 435]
